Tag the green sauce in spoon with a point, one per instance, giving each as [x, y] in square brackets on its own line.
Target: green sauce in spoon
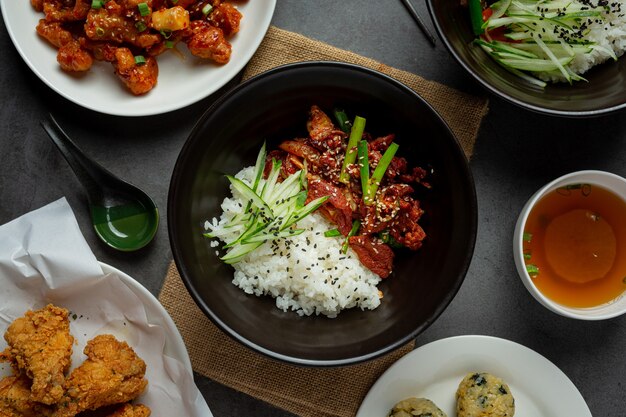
[123, 216]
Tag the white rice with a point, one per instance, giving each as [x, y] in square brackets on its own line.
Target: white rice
[306, 273]
[610, 33]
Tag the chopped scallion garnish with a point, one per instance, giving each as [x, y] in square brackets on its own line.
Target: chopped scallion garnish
[527, 237]
[144, 9]
[363, 160]
[140, 60]
[532, 270]
[356, 133]
[342, 120]
[332, 233]
[272, 211]
[207, 9]
[96, 4]
[169, 44]
[166, 33]
[141, 26]
[380, 170]
[99, 31]
[355, 228]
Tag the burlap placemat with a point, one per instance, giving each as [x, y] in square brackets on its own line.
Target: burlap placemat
[308, 392]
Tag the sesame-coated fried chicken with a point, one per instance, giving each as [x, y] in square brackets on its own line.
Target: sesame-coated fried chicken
[112, 374]
[40, 345]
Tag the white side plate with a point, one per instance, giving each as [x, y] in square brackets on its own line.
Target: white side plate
[157, 315]
[183, 79]
[435, 370]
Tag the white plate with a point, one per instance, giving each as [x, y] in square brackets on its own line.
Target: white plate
[182, 81]
[434, 371]
[157, 315]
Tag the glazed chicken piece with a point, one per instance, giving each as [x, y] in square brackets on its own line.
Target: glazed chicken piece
[57, 11]
[40, 345]
[110, 24]
[15, 399]
[54, 33]
[139, 78]
[227, 18]
[112, 374]
[206, 41]
[71, 56]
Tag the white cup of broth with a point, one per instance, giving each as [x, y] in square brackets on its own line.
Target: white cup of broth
[570, 245]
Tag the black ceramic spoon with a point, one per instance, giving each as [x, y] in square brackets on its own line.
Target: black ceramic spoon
[123, 216]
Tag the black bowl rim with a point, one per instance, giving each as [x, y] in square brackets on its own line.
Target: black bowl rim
[507, 97]
[184, 273]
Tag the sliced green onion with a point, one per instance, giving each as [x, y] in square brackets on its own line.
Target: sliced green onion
[96, 4]
[499, 8]
[99, 31]
[380, 170]
[249, 194]
[273, 208]
[207, 9]
[166, 33]
[169, 44]
[332, 233]
[386, 237]
[342, 120]
[476, 16]
[140, 60]
[174, 2]
[365, 170]
[355, 228]
[527, 256]
[144, 10]
[356, 133]
[532, 270]
[141, 26]
[527, 237]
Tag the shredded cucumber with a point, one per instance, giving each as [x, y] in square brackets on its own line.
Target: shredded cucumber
[272, 210]
[541, 36]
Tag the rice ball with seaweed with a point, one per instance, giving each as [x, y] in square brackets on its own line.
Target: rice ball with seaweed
[416, 407]
[484, 395]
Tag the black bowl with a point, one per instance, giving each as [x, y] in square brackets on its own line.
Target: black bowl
[273, 107]
[604, 93]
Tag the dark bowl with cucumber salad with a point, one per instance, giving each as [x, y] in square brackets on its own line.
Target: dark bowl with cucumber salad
[271, 108]
[603, 89]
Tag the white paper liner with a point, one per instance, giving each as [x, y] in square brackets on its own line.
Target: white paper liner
[44, 259]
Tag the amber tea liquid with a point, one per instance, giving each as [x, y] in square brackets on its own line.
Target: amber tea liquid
[575, 245]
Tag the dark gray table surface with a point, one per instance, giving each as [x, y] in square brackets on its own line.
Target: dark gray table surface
[516, 153]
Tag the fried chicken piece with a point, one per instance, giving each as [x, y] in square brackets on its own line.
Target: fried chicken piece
[40, 344]
[15, 399]
[112, 374]
[129, 410]
[125, 410]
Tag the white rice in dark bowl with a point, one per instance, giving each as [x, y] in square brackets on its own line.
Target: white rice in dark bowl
[306, 273]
